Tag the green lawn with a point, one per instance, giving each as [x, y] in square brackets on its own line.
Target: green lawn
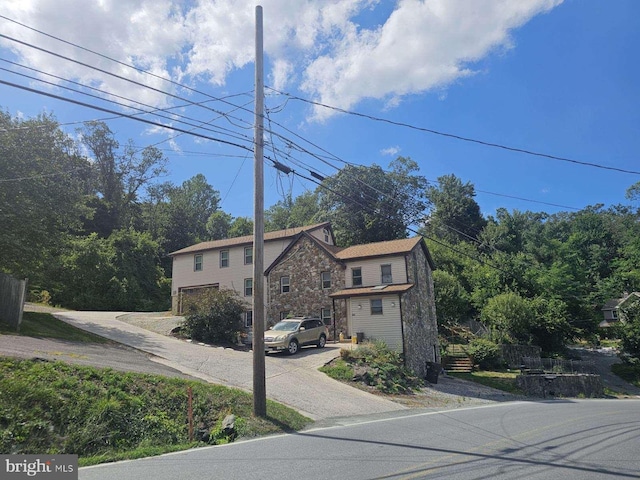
[45, 325]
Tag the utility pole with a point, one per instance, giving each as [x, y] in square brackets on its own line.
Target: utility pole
[259, 382]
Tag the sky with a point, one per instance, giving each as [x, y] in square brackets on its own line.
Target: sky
[348, 81]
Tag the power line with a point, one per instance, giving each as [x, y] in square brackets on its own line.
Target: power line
[457, 137]
[186, 87]
[106, 110]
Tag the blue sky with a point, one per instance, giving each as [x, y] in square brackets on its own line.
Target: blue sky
[551, 76]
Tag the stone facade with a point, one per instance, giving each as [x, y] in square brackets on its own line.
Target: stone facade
[304, 264]
[420, 328]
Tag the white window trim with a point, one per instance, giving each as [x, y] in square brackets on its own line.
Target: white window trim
[196, 263]
[250, 250]
[382, 276]
[246, 281]
[381, 312]
[222, 259]
[283, 285]
[322, 281]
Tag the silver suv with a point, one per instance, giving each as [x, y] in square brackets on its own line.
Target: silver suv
[293, 333]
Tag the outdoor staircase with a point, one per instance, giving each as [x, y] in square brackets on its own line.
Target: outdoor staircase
[457, 360]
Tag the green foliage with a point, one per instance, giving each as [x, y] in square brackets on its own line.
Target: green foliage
[485, 353]
[291, 213]
[100, 413]
[454, 214]
[367, 204]
[630, 330]
[505, 381]
[120, 272]
[215, 316]
[338, 370]
[452, 300]
[629, 372]
[41, 196]
[378, 366]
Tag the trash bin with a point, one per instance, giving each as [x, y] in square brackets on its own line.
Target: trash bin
[360, 337]
[433, 370]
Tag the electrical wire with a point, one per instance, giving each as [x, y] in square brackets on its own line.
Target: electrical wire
[455, 136]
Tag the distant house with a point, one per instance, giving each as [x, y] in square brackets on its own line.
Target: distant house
[378, 291]
[613, 310]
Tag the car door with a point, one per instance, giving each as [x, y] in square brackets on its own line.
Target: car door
[307, 334]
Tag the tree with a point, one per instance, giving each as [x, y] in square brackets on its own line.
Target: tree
[291, 213]
[120, 272]
[43, 186]
[630, 331]
[367, 204]
[240, 227]
[454, 214]
[188, 207]
[118, 177]
[218, 225]
[452, 300]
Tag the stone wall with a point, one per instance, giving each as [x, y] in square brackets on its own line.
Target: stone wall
[304, 264]
[420, 328]
[548, 385]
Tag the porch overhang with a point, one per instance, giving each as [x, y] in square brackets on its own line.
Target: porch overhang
[375, 290]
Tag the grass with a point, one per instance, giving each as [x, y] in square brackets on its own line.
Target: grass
[500, 380]
[45, 325]
[628, 372]
[103, 415]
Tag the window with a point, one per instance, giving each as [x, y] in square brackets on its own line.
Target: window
[248, 287]
[325, 314]
[326, 279]
[224, 258]
[197, 263]
[248, 255]
[248, 318]
[376, 306]
[614, 314]
[284, 284]
[356, 277]
[386, 274]
[326, 235]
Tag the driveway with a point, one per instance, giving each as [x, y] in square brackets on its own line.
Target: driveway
[293, 381]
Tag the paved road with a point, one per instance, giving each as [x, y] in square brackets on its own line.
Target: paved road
[562, 439]
[293, 381]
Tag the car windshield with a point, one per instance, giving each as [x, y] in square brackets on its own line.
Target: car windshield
[286, 326]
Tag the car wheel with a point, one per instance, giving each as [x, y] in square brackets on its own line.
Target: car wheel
[293, 347]
[322, 342]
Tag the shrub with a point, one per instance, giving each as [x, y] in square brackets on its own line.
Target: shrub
[485, 353]
[215, 317]
[378, 366]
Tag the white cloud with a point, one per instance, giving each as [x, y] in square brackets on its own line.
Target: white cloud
[391, 151]
[337, 52]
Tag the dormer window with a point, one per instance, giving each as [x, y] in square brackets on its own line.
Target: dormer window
[327, 237]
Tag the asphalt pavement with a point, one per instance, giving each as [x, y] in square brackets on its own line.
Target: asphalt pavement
[292, 380]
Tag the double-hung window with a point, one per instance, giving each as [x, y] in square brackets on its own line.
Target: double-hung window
[386, 273]
[197, 262]
[285, 287]
[376, 306]
[224, 258]
[248, 287]
[248, 318]
[248, 255]
[326, 280]
[356, 277]
[325, 314]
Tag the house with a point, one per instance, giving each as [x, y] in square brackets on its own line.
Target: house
[613, 310]
[381, 291]
[228, 264]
